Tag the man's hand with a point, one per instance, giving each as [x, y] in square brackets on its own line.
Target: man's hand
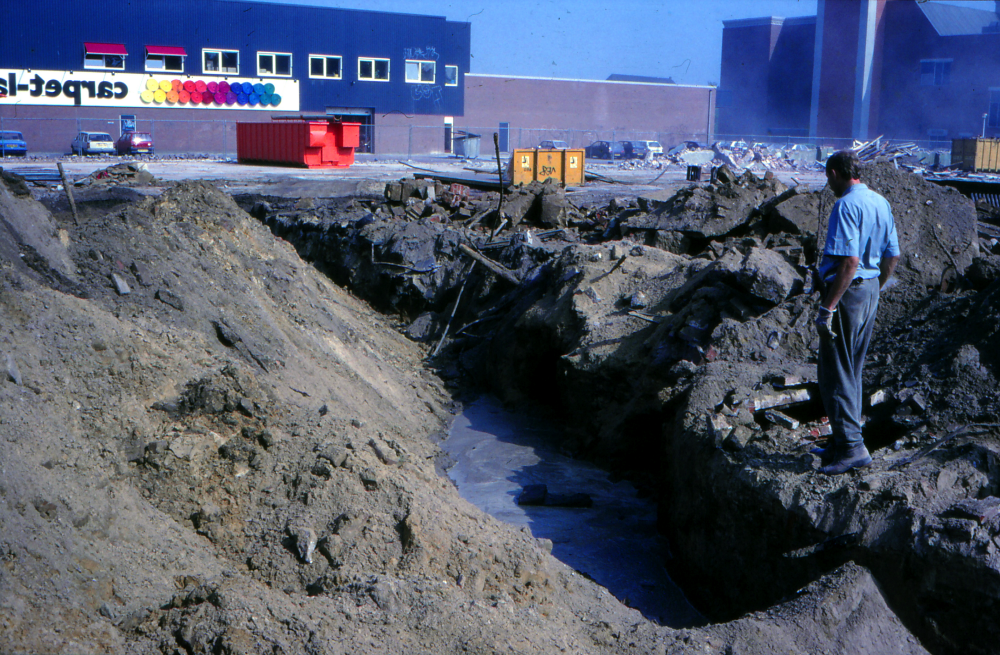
[824, 322]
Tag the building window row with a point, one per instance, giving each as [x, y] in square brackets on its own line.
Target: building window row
[109, 56]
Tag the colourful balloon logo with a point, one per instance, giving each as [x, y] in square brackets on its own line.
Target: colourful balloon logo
[210, 92]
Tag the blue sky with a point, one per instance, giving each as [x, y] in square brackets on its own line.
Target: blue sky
[591, 39]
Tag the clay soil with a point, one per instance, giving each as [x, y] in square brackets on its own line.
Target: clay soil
[219, 421]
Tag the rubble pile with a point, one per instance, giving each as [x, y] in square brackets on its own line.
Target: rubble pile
[760, 157]
[126, 173]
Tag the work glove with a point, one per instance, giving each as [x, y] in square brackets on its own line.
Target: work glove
[824, 322]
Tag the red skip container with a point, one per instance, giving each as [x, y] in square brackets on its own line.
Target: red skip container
[313, 144]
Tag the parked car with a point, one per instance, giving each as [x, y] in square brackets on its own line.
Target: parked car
[554, 145]
[635, 149]
[605, 150]
[93, 143]
[134, 143]
[12, 144]
[653, 147]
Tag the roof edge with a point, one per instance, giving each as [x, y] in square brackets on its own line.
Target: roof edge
[567, 79]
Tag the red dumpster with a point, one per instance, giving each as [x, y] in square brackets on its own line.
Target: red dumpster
[313, 144]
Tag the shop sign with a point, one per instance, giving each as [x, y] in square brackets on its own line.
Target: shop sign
[108, 89]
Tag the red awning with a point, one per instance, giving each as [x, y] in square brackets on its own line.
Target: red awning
[105, 49]
[165, 50]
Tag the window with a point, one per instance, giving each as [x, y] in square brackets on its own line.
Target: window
[221, 61]
[104, 55]
[373, 69]
[274, 63]
[935, 72]
[164, 63]
[165, 58]
[420, 72]
[114, 62]
[451, 75]
[325, 66]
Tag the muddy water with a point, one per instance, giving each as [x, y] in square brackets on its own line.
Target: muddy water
[614, 542]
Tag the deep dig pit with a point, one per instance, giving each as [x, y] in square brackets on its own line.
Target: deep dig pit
[209, 447]
[657, 331]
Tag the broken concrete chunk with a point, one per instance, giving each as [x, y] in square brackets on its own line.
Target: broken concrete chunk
[305, 542]
[121, 286]
[13, 373]
[792, 397]
[168, 298]
[787, 381]
[768, 276]
[141, 273]
[336, 455]
[555, 209]
[384, 454]
[718, 427]
[877, 398]
[781, 419]
[797, 214]
[738, 439]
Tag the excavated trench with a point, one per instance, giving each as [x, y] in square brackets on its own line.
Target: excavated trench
[660, 362]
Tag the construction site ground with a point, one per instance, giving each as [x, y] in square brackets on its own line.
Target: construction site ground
[224, 391]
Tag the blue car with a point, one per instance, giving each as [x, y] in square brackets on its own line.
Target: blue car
[12, 144]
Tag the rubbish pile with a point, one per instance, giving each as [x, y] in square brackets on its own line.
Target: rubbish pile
[879, 149]
[127, 173]
[761, 157]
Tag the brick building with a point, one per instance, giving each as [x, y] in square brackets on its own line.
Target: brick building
[189, 70]
[903, 68]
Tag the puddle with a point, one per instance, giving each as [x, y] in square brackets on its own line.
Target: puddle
[615, 542]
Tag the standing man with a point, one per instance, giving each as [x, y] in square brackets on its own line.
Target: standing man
[859, 257]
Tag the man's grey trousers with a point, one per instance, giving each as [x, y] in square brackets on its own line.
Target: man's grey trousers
[841, 360]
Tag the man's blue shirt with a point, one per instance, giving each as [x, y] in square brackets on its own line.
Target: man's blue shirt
[861, 226]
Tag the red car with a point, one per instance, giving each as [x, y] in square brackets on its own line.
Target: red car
[134, 143]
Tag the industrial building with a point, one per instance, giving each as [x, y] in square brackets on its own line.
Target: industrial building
[188, 70]
[907, 69]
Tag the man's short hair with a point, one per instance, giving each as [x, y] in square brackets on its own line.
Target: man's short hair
[845, 164]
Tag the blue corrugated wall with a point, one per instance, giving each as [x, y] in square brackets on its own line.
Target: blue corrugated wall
[50, 34]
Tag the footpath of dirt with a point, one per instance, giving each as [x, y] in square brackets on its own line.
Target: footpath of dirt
[206, 446]
[674, 333]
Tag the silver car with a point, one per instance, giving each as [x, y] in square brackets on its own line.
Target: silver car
[653, 147]
[93, 143]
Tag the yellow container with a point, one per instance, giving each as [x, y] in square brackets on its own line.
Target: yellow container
[977, 155]
[549, 165]
[522, 166]
[566, 166]
[573, 168]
